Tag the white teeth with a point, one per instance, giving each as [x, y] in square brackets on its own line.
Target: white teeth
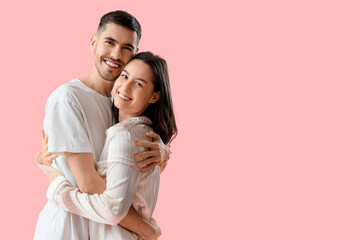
[111, 64]
[123, 97]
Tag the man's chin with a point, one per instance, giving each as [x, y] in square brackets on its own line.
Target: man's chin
[109, 78]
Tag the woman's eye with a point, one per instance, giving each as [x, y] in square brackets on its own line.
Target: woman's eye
[139, 84]
[124, 76]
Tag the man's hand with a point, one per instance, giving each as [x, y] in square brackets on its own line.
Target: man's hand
[157, 229]
[163, 166]
[153, 232]
[147, 230]
[46, 157]
[159, 152]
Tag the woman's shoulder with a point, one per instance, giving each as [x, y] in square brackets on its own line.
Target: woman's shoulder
[133, 126]
[117, 130]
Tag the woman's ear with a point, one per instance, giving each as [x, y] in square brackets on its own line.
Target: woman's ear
[155, 97]
[93, 42]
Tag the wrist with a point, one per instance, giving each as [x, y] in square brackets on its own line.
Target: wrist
[54, 186]
[147, 231]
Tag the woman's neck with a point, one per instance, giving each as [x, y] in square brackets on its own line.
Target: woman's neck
[124, 116]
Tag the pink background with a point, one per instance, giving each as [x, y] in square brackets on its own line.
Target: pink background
[267, 102]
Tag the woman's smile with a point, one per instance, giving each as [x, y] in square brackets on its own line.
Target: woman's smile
[122, 96]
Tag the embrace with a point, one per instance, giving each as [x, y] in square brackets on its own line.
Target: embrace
[105, 141]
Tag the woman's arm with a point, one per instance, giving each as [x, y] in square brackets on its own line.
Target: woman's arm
[122, 180]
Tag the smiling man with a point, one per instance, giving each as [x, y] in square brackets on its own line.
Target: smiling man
[77, 115]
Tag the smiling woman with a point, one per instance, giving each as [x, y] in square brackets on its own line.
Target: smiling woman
[143, 83]
[134, 90]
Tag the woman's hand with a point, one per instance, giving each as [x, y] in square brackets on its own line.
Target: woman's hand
[158, 153]
[46, 157]
[53, 173]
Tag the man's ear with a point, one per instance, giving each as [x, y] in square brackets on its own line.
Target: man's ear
[93, 42]
[155, 97]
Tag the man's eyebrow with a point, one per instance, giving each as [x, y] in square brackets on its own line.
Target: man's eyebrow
[130, 45]
[110, 39]
[126, 44]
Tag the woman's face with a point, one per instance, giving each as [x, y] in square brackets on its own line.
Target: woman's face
[133, 90]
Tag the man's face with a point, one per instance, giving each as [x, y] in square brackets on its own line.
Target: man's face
[113, 49]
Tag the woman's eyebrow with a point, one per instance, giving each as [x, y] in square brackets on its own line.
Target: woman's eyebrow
[140, 79]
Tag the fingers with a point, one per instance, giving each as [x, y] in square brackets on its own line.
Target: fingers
[163, 166]
[153, 135]
[38, 158]
[147, 154]
[148, 167]
[53, 173]
[147, 144]
[45, 140]
[42, 133]
[44, 153]
[148, 161]
[51, 170]
[49, 159]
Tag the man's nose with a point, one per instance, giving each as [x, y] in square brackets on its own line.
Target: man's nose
[116, 53]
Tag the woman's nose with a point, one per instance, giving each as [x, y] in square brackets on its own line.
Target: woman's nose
[126, 87]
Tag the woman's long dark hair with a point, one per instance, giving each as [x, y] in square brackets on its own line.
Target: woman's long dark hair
[160, 113]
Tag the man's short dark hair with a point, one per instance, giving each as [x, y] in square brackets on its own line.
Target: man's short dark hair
[121, 18]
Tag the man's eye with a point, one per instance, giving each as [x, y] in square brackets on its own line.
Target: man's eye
[139, 84]
[108, 42]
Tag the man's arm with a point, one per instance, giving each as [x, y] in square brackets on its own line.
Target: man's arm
[86, 176]
[122, 179]
[89, 181]
[158, 154]
[132, 221]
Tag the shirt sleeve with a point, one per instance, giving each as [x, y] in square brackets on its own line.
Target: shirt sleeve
[66, 127]
[122, 180]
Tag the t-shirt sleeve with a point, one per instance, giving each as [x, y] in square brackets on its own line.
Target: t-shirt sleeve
[66, 127]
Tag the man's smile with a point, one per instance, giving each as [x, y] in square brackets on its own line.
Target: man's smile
[112, 64]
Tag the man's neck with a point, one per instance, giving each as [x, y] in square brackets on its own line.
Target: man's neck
[96, 83]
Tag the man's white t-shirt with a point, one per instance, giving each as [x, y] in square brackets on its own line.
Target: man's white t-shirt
[76, 120]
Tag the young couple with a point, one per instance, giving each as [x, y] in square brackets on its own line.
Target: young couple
[104, 178]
